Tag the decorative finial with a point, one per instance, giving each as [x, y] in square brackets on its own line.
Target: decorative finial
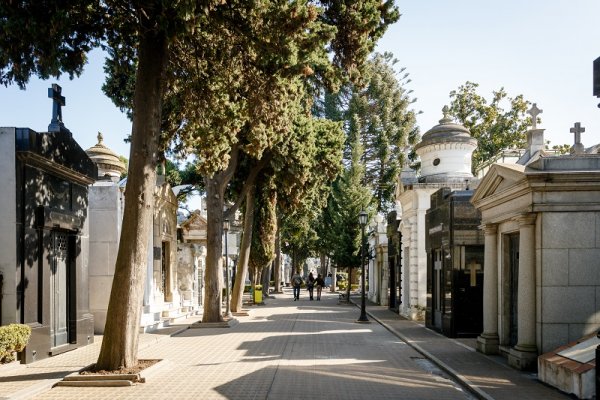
[578, 147]
[446, 112]
[534, 112]
[100, 138]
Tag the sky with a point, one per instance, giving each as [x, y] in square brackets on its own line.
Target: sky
[541, 49]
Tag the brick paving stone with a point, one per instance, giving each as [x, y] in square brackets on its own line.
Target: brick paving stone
[295, 350]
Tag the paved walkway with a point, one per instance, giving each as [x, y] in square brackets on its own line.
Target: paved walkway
[292, 350]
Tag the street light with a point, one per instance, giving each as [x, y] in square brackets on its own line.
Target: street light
[227, 306]
[362, 220]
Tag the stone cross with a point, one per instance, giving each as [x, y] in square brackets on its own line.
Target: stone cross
[473, 267]
[534, 112]
[577, 129]
[54, 93]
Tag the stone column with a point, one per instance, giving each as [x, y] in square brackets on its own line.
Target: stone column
[487, 342]
[524, 354]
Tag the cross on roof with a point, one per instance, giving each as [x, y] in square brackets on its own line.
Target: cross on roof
[54, 93]
[534, 111]
[577, 129]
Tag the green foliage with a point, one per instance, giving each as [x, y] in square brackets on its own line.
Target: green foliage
[340, 230]
[13, 338]
[47, 40]
[312, 160]
[561, 148]
[494, 128]
[379, 114]
[262, 249]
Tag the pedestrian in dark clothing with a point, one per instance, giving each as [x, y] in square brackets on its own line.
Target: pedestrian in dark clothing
[319, 283]
[310, 284]
[296, 283]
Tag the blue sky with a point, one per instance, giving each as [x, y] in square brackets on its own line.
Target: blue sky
[541, 49]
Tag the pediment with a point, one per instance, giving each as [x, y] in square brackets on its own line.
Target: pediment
[194, 222]
[499, 178]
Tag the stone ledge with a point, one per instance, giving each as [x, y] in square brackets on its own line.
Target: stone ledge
[223, 324]
[107, 380]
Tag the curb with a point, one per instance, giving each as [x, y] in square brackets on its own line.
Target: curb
[480, 394]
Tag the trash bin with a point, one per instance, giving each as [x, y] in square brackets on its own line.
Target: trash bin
[257, 294]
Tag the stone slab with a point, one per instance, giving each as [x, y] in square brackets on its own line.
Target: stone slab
[583, 352]
[223, 324]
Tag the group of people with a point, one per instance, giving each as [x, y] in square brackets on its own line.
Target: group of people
[311, 283]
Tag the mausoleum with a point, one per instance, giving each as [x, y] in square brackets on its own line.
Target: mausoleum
[44, 235]
[541, 222]
[445, 153]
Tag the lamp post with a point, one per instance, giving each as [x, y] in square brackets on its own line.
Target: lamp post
[227, 306]
[362, 220]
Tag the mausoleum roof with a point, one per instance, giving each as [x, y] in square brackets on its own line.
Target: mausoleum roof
[446, 132]
[106, 159]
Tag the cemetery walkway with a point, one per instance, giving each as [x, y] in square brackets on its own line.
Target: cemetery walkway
[293, 350]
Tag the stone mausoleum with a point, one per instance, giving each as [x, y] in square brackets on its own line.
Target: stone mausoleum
[541, 221]
[44, 235]
[445, 153]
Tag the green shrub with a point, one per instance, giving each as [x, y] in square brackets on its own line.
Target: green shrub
[13, 338]
[247, 288]
[342, 285]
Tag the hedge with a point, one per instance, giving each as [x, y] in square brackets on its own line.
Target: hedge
[13, 338]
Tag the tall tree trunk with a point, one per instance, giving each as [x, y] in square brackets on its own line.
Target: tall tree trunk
[242, 267]
[323, 263]
[120, 343]
[213, 292]
[277, 262]
[266, 279]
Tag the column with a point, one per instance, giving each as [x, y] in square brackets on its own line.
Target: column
[524, 354]
[487, 342]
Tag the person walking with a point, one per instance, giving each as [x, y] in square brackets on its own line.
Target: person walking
[310, 284]
[319, 283]
[296, 283]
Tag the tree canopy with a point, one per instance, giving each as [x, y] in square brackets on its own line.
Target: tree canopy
[494, 127]
[211, 77]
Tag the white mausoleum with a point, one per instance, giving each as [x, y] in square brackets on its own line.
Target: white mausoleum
[445, 153]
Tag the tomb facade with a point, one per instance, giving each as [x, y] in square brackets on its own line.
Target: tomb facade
[44, 235]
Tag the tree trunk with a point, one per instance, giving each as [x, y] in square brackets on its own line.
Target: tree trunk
[214, 261]
[242, 267]
[277, 262]
[349, 284]
[120, 343]
[266, 279]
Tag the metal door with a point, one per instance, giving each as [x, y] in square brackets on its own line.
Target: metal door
[59, 289]
[513, 243]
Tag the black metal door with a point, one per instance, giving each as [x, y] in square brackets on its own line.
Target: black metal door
[59, 315]
[513, 249]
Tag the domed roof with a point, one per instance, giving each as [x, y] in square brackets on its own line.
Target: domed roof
[446, 132]
[108, 161]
